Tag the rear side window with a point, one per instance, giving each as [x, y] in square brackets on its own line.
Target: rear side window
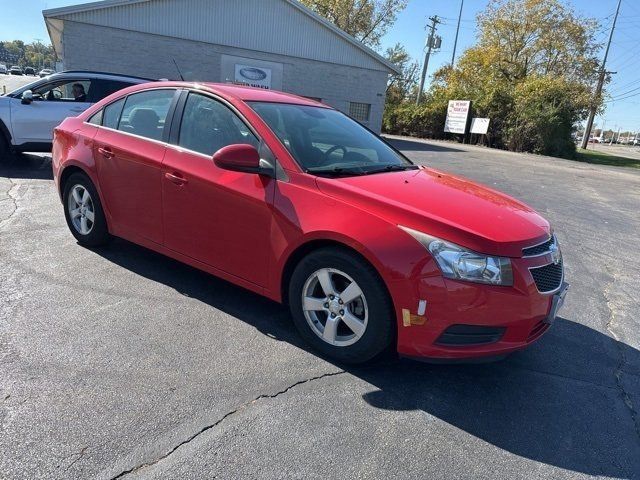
[103, 88]
[145, 113]
[111, 115]
[207, 126]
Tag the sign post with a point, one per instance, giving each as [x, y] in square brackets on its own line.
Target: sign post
[480, 126]
[457, 116]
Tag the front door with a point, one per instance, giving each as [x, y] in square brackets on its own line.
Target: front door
[52, 103]
[129, 149]
[218, 217]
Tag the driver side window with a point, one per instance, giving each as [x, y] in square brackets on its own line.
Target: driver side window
[63, 91]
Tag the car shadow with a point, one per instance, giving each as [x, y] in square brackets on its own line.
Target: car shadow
[557, 402]
[28, 165]
[405, 145]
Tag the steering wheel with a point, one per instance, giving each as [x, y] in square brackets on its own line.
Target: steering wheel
[328, 153]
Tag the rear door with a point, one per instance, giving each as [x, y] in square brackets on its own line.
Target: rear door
[52, 102]
[129, 149]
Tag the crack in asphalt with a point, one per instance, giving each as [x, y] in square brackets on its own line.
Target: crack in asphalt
[12, 199]
[222, 419]
[622, 360]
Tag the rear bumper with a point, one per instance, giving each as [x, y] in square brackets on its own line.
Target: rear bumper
[463, 320]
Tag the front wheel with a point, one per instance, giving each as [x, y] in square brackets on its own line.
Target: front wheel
[340, 306]
[6, 155]
[83, 211]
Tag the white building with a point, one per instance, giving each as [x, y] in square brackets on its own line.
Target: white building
[278, 44]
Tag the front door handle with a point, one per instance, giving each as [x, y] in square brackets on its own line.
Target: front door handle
[106, 152]
[175, 178]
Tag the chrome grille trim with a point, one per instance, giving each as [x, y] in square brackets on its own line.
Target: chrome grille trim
[551, 241]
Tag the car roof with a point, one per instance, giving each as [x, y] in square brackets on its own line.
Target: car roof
[243, 92]
[93, 74]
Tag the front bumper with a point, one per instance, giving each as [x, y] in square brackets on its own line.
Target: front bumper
[512, 317]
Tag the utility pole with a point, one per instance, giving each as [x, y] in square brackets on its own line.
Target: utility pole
[455, 42]
[430, 43]
[603, 73]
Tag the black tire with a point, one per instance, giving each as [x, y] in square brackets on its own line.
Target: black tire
[6, 155]
[381, 323]
[99, 233]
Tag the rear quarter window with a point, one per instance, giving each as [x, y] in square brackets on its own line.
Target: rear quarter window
[111, 116]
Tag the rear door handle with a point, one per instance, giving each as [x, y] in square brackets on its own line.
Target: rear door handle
[77, 110]
[175, 178]
[106, 152]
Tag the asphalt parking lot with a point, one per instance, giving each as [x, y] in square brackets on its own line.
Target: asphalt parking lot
[119, 362]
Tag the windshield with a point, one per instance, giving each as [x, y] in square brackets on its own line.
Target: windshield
[327, 142]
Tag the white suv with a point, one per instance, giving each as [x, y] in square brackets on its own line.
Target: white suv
[29, 115]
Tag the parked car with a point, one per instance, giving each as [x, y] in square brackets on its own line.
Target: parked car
[29, 71]
[3, 69]
[45, 72]
[15, 70]
[293, 200]
[29, 114]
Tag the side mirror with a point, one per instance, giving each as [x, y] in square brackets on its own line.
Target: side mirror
[27, 97]
[238, 158]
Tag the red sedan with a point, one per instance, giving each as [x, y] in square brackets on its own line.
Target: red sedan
[295, 201]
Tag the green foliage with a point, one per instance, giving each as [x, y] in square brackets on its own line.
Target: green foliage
[35, 54]
[531, 73]
[366, 20]
[401, 87]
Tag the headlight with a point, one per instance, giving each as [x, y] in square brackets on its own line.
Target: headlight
[463, 264]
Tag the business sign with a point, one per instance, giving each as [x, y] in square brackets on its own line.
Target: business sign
[253, 76]
[251, 71]
[479, 125]
[457, 116]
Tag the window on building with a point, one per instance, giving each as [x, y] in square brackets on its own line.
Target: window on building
[208, 125]
[144, 113]
[359, 111]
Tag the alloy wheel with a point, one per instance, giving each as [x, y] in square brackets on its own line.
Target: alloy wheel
[81, 209]
[335, 307]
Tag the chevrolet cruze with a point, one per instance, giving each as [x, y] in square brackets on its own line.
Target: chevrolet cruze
[294, 200]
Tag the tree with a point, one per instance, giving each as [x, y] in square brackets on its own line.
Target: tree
[531, 72]
[366, 20]
[401, 86]
[34, 54]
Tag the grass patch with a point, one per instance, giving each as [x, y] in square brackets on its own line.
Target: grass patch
[590, 156]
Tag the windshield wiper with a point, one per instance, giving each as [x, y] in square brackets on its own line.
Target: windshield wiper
[336, 171]
[391, 168]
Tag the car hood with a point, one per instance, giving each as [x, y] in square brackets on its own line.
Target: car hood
[445, 206]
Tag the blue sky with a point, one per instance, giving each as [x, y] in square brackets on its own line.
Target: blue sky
[22, 20]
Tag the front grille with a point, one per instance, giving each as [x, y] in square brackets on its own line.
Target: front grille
[538, 249]
[547, 278]
[464, 335]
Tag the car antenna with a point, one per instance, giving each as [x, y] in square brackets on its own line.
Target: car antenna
[178, 69]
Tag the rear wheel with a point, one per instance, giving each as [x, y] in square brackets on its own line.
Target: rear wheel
[340, 306]
[83, 211]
